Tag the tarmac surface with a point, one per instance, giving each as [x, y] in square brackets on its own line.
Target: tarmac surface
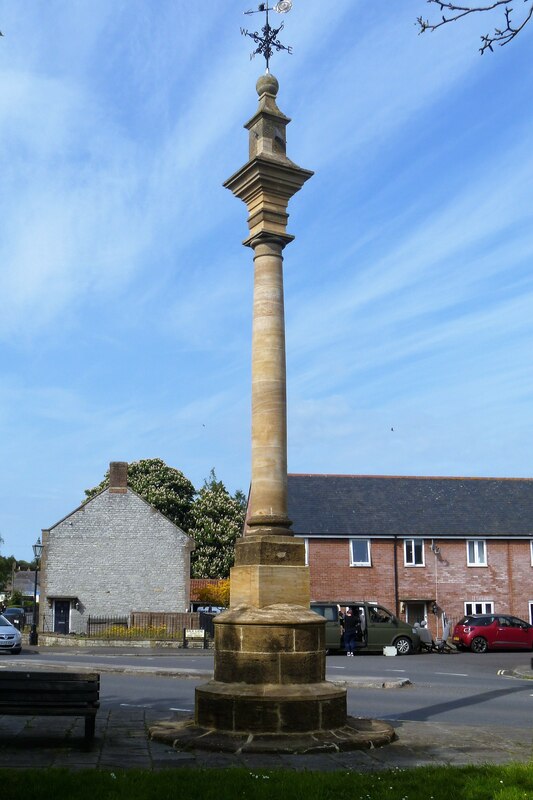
[122, 742]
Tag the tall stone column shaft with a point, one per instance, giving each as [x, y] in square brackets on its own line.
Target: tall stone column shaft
[269, 672]
[269, 561]
[269, 691]
[268, 499]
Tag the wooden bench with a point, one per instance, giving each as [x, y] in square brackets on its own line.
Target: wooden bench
[58, 694]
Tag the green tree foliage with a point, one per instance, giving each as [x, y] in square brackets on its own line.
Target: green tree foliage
[217, 520]
[16, 599]
[6, 568]
[213, 519]
[9, 564]
[165, 488]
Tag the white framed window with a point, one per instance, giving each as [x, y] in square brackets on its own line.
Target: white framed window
[476, 553]
[306, 543]
[479, 607]
[531, 551]
[531, 612]
[413, 552]
[360, 553]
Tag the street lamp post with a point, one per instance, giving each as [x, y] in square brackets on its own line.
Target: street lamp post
[37, 550]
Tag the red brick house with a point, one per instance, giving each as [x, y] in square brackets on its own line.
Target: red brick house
[418, 545]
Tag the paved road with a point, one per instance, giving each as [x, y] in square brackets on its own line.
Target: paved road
[416, 667]
[506, 702]
[446, 693]
[452, 689]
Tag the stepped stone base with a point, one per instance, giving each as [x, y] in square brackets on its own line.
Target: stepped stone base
[356, 734]
[269, 674]
[271, 709]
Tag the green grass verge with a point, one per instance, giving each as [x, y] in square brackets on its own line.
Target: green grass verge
[510, 782]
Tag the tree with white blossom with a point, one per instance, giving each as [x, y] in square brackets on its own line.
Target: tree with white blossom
[164, 487]
[212, 516]
[217, 520]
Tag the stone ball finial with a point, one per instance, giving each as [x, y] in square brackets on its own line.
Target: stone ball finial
[267, 83]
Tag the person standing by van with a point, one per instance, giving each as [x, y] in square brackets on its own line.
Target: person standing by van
[352, 631]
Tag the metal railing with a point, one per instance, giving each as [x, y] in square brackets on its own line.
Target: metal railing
[141, 625]
[138, 625]
[147, 625]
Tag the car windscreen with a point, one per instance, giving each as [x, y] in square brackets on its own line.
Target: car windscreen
[5, 622]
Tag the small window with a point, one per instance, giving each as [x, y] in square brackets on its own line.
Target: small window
[476, 553]
[479, 607]
[360, 553]
[379, 615]
[515, 622]
[414, 552]
[531, 551]
[330, 613]
[476, 619]
[306, 543]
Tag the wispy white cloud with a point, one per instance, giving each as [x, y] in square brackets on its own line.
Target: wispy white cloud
[125, 295]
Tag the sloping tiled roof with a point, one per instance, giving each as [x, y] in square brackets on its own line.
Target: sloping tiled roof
[24, 581]
[373, 506]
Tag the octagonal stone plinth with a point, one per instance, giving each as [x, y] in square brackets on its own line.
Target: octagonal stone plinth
[269, 674]
[291, 708]
[279, 644]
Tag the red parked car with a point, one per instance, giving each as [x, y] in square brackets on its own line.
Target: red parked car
[482, 632]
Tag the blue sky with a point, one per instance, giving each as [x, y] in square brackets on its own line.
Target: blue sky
[125, 292]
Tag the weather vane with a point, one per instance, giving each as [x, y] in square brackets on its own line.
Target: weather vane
[268, 41]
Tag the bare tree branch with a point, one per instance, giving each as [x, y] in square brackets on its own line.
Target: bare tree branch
[500, 36]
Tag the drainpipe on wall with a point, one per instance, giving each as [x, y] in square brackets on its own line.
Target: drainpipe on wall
[396, 597]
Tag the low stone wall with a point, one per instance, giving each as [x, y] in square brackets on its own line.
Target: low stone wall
[50, 639]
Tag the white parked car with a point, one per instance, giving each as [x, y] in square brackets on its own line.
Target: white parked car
[10, 637]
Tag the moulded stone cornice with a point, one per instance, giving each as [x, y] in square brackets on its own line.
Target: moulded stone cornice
[266, 236]
[264, 174]
[266, 185]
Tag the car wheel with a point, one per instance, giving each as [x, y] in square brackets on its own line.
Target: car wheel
[403, 646]
[479, 645]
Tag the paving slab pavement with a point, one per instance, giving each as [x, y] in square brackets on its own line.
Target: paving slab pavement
[122, 742]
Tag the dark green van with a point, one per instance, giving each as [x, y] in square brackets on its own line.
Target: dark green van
[382, 628]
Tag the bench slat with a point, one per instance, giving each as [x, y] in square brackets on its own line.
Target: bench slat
[48, 699]
[57, 710]
[57, 694]
[45, 686]
[84, 677]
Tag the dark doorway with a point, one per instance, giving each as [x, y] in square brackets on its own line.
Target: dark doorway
[414, 612]
[62, 616]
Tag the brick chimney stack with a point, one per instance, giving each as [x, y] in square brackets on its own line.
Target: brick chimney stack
[118, 477]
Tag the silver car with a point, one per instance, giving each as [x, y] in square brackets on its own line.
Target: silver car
[10, 637]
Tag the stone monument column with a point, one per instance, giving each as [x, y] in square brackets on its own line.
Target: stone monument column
[269, 562]
[268, 499]
[269, 676]
[269, 692]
